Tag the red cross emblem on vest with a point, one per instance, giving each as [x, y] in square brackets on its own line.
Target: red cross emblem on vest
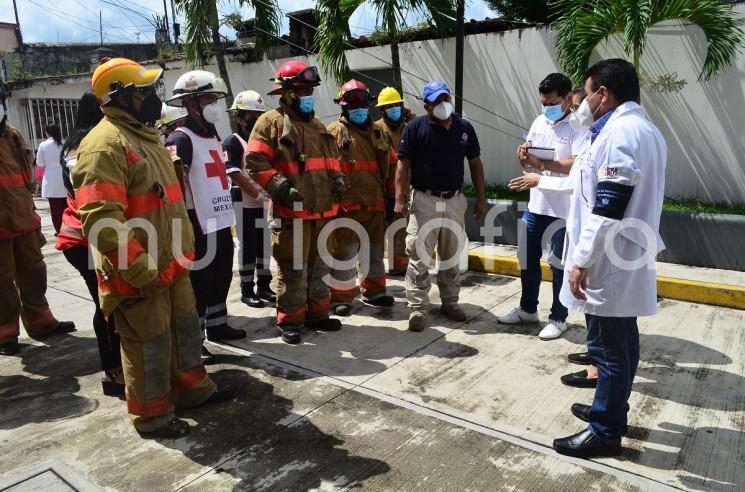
[216, 169]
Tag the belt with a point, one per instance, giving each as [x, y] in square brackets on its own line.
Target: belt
[441, 194]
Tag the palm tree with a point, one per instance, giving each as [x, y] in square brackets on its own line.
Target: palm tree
[202, 31]
[333, 34]
[582, 24]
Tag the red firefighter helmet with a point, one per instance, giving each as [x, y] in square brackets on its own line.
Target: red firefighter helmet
[353, 91]
[294, 73]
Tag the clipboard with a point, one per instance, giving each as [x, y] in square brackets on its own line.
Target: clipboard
[542, 153]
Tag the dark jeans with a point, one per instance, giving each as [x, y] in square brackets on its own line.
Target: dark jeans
[251, 252]
[530, 274]
[613, 344]
[56, 207]
[212, 283]
[108, 341]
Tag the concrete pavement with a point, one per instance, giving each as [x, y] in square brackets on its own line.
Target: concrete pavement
[471, 405]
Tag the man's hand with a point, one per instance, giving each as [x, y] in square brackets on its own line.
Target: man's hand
[401, 206]
[522, 151]
[151, 288]
[578, 283]
[524, 182]
[478, 209]
[340, 186]
[286, 194]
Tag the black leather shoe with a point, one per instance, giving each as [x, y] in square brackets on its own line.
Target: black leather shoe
[290, 335]
[251, 300]
[10, 348]
[207, 357]
[266, 294]
[586, 444]
[224, 332]
[582, 412]
[342, 310]
[579, 380]
[583, 359]
[327, 324]
[382, 301]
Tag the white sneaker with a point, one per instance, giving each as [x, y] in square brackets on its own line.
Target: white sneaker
[518, 317]
[553, 330]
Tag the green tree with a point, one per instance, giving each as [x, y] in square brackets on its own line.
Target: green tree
[582, 24]
[522, 10]
[333, 33]
[202, 31]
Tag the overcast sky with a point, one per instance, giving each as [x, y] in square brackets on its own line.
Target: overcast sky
[77, 21]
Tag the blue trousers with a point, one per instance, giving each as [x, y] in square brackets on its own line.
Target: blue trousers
[530, 273]
[613, 344]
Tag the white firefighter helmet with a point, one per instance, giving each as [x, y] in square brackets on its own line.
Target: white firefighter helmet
[248, 101]
[195, 83]
[170, 115]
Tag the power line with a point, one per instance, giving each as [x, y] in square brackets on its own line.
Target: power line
[65, 16]
[122, 10]
[401, 69]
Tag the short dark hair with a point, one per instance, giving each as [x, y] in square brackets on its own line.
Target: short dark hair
[555, 82]
[618, 76]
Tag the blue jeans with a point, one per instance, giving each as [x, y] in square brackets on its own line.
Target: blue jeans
[613, 344]
[530, 273]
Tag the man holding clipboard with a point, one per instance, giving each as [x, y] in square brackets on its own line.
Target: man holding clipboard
[552, 144]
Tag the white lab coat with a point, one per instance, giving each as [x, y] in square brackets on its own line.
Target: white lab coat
[629, 151]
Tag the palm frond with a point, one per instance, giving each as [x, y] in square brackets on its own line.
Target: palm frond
[268, 22]
[638, 17]
[333, 34]
[199, 16]
[442, 13]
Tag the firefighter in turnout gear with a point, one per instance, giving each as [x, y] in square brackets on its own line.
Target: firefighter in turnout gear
[23, 274]
[251, 203]
[292, 156]
[208, 197]
[365, 153]
[392, 124]
[129, 199]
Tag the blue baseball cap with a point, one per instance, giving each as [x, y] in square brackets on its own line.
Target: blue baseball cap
[435, 89]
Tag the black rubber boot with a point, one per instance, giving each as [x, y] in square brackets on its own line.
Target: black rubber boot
[290, 334]
[10, 348]
[266, 293]
[172, 430]
[249, 298]
[63, 327]
[207, 357]
[224, 332]
[382, 301]
[327, 324]
[342, 310]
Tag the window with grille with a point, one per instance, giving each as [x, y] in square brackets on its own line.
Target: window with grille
[37, 113]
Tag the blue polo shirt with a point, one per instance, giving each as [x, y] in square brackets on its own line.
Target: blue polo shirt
[437, 154]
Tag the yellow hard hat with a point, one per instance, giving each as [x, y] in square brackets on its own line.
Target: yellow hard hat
[387, 96]
[113, 75]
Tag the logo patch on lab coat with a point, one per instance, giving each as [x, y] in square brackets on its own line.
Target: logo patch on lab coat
[608, 172]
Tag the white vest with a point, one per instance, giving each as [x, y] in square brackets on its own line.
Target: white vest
[207, 186]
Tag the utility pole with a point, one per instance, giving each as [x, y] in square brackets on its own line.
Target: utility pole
[165, 13]
[459, 42]
[19, 36]
[100, 26]
[175, 26]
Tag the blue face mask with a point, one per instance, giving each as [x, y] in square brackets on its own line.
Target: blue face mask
[553, 113]
[305, 104]
[394, 113]
[358, 116]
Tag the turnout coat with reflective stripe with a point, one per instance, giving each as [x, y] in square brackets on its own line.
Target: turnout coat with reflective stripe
[393, 133]
[365, 156]
[283, 147]
[127, 193]
[17, 214]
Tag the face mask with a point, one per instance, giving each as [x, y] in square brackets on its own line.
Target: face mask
[212, 113]
[393, 114]
[150, 109]
[584, 117]
[358, 116]
[443, 111]
[553, 113]
[305, 104]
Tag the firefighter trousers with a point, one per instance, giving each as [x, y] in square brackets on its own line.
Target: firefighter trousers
[161, 348]
[23, 287]
[363, 259]
[302, 292]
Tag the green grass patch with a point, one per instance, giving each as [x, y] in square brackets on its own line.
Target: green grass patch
[686, 205]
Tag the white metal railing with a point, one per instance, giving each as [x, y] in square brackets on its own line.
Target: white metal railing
[37, 113]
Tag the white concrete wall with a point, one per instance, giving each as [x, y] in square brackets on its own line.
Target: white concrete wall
[502, 72]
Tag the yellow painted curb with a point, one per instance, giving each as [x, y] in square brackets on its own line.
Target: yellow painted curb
[732, 296]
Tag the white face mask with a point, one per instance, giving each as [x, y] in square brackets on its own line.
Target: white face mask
[584, 117]
[443, 111]
[212, 113]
